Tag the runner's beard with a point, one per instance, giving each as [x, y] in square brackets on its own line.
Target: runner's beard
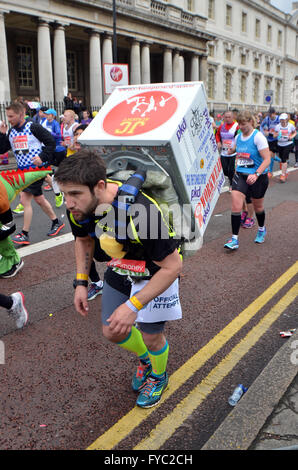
[90, 210]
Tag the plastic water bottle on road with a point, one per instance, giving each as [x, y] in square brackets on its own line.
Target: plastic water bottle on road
[237, 394]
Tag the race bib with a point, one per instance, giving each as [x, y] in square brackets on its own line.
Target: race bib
[20, 142]
[243, 159]
[164, 307]
[284, 135]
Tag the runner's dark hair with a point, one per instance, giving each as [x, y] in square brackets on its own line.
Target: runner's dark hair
[85, 167]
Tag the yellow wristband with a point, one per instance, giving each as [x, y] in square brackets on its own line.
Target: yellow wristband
[136, 302]
[82, 277]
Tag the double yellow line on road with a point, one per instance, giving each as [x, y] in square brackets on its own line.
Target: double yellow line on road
[183, 410]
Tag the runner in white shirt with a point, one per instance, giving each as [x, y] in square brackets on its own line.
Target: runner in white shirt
[69, 126]
[285, 133]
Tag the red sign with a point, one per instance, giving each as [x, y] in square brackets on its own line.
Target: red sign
[116, 74]
[140, 113]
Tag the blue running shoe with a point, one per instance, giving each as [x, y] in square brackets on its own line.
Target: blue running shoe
[152, 391]
[260, 238]
[232, 244]
[139, 379]
[94, 290]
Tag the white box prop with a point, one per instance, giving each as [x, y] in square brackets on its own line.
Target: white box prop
[164, 126]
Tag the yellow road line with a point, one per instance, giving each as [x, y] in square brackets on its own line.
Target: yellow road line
[133, 418]
[166, 428]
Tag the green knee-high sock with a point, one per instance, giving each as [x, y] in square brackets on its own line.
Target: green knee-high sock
[159, 360]
[134, 343]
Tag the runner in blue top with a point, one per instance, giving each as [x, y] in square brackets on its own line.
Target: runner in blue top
[250, 179]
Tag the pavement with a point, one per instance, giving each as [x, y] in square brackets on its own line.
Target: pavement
[266, 417]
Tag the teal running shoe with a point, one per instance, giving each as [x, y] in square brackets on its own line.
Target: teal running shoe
[144, 369]
[260, 238]
[232, 244]
[152, 391]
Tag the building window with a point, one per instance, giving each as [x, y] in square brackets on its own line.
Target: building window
[243, 59]
[242, 88]
[228, 86]
[211, 50]
[256, 90]
[189, 5]
[211, 9]
[278, 93]
[228, 15]
[228, 55]
[244, 22]
[72, 70]
[268, 66]
[258, 29]
[25, 70]
[257, 63]
[211, 83]
[279, 39]
[269, 33]
[278, 69]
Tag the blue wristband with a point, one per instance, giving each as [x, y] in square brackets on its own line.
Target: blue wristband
[131, 306]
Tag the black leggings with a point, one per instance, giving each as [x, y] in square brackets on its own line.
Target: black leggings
[228, 167]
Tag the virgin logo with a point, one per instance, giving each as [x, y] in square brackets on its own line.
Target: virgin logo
[140, 113]
[116, 74]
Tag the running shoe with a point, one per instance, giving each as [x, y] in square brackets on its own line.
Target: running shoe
[282, 178]
[94, 290]
[13, 270]
[269, 174]
[249, 222]
[152, 391]
[260, 238]
[18, 310]
[139, 379]
[48, 187]
[19, 209]
[232, 244]
[56, 228]
[296, 165]
[243, 217]
[21, 239]
[59, 200]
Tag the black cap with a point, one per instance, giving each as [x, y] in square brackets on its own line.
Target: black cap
[44, 108]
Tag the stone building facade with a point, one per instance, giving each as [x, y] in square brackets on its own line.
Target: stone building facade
[239, 48]
[255, 51]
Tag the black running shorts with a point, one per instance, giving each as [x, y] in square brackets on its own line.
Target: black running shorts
[256, 190]
[284, 152]
[35, 188]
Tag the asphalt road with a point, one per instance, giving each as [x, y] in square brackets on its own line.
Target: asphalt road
[65, 387]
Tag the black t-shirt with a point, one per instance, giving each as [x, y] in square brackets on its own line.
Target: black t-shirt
[152, 242]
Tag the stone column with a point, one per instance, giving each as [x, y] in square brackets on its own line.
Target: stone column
[95, 70]
[181, 68]
[176, 67]
[195, 69]
[45, 71]
[4, 72]
[107, 55]
[145, 63]
[203, 68]
[60, 63]
[167, 66]
[135, 63]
